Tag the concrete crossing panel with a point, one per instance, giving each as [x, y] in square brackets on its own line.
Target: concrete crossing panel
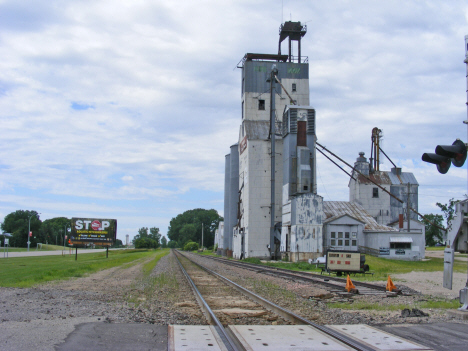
[194, 338]
[378, 339]
[285, 337]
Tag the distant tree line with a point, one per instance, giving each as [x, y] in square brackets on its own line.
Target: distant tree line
[51, 231]
[147, 240]
[187, 227]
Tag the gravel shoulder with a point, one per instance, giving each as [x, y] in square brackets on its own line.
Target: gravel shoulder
[43, 316]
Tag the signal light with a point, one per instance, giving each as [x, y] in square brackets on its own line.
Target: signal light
[446, 154]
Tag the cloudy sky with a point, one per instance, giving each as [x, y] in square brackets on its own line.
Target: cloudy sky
[126, 109]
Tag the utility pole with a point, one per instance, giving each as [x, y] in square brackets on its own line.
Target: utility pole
[64, 236]
[202, 236]
[29, 228]
[408, 206]
[274, 72]
[29, 232]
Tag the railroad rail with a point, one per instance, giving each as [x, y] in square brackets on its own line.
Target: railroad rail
[338, 284]
[230, 341]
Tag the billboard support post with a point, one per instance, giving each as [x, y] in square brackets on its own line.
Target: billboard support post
[76, 253]
[107, 251]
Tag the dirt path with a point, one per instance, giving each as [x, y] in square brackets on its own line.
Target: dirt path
[431, 283]
[440, 254]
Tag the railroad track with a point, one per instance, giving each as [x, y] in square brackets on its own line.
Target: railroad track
[203, 286]
[335, 284]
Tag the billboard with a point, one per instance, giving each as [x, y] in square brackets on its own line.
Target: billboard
[97, 231]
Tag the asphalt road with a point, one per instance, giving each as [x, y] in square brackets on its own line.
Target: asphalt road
[116, 337]
[438, 336]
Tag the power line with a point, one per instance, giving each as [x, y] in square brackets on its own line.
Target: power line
[381, 187]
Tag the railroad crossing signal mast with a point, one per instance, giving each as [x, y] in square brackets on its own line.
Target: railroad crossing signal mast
[458, 227]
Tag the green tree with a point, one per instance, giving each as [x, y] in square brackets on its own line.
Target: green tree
[187, 226]
[190, 246]
[118, 243]
[52, 230]
[163, 242]
[433, 234]
[142, 233]
[448, 209]
[172, 244]
[17, 224]
[188, 232]
[144, 240]
[155, 235]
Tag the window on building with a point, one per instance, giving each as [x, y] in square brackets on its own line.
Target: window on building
[340, 234]
[332, 242]
[400, 245]
[340, 242]
[333, 235]
[346, 242]
[346, 235]
[261, 104]
[353, 242]
[375, 192]
[293, 87]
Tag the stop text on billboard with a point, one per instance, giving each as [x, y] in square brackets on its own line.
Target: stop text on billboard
[97, 231]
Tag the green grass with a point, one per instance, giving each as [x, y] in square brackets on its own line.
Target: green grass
[381, 267]
[362, 305]
[149, 266]
[14, 249]
[150, 287]
[271, 290]
[435, 248]
[253, 260]
[24, 272]
[206, 253]
[294, 266]
[50, 247]
[25, 249]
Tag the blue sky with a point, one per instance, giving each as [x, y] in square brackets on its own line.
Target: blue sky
[126, 109]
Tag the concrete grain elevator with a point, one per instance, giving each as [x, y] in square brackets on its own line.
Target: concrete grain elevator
[271, 209]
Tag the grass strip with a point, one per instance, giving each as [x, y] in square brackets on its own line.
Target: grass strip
[149, 266]
[23, 272]
[362, 305]
[381, 267]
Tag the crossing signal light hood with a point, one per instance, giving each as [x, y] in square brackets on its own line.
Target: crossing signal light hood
[447, 154]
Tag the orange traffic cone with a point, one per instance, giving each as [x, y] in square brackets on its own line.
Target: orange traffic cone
[390, 285]
[349, 284]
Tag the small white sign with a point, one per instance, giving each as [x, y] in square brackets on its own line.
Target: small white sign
[7, 241]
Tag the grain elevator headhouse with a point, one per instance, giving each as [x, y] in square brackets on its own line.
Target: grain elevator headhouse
[271, 205]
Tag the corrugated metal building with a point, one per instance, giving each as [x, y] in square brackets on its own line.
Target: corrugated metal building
[348, 226]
